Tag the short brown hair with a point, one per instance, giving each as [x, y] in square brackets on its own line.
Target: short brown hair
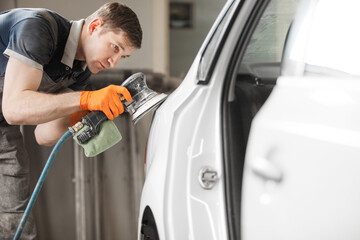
[118, 17]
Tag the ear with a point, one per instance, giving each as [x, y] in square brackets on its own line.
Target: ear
[94, 24]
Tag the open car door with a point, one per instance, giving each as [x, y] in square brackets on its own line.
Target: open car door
[301, 174]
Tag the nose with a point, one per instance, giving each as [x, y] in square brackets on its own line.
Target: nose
[114, 60]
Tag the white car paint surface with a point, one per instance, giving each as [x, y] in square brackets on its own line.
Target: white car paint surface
[272, 106]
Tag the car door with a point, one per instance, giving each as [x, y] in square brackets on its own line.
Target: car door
[251, 75]
[301, 177]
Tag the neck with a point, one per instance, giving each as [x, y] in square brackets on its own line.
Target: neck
[80, 51]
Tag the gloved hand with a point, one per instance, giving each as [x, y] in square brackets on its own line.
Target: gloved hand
[77, 116]
[106, 100]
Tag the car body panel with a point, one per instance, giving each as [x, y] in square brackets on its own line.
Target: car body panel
[300, 131]
[301, 168]
[180, 144]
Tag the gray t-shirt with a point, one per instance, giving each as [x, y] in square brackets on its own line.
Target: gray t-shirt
[45, 40]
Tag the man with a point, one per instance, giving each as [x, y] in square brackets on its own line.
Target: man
[45, 65]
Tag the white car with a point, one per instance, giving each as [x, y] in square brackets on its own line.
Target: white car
[262, 138]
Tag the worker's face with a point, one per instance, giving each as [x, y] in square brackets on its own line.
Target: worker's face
[105, 49]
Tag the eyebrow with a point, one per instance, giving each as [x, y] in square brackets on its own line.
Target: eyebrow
[121, 46]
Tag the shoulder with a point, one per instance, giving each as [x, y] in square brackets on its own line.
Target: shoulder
[35, 33]
[34, 20]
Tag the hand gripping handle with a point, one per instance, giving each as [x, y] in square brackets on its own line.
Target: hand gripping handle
[94, 121]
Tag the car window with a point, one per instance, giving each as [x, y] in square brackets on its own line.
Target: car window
[259, 67]
[212, 48]
[264, 51]
[252, 74]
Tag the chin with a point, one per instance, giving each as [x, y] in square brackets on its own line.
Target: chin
[94, 70]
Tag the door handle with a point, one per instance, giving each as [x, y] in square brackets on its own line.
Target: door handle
[266, 170]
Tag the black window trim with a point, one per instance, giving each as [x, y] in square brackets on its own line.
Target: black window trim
[234, 222]
[220, 44]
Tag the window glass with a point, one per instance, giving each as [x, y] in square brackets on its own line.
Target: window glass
[267, 42]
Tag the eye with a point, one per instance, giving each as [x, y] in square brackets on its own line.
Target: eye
[115, 47]
[123, 57]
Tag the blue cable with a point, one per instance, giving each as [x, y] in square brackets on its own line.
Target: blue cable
[39, 184]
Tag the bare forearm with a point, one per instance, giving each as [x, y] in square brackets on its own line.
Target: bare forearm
[49, 133]
[23, 104]
[35, 107]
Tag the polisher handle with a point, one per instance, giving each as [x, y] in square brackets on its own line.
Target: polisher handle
[94, 120]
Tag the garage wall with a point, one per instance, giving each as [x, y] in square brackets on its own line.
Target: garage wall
[154, 52]
[165, 50]
[90, 198]
[185, 43]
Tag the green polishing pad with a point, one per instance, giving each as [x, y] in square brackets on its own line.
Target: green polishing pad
[108, 136]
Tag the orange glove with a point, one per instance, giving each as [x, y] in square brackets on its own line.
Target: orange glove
[106, 100]
[77, 116]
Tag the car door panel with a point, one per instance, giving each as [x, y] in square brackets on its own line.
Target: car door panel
[308, 133]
